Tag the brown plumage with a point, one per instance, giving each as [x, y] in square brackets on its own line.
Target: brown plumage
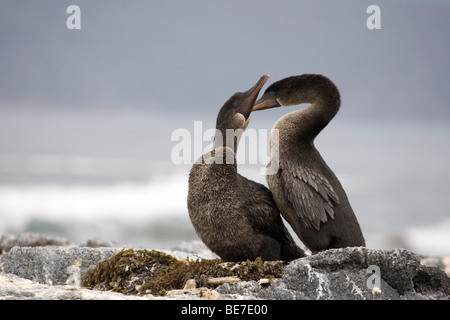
[306, 190]
[235, 217]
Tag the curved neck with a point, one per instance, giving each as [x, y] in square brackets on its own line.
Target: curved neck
[325, 103]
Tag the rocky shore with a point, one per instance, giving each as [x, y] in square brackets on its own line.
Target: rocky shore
[34, 266]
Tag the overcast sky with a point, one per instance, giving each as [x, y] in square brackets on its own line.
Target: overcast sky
[192, 55]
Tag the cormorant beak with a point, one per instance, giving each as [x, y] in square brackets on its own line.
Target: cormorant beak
[246, 106]
[266, 102]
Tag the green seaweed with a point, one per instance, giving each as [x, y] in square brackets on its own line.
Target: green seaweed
[154, 272]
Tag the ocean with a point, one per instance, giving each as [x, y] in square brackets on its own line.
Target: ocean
[111, 175]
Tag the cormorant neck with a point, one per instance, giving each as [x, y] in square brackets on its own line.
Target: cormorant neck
[325, 103]
[227, 138]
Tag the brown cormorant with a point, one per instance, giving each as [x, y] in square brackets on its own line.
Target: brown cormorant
[235, 217]
[308, 193]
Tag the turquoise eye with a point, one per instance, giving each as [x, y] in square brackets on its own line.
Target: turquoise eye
[272, 93]
[235, 105]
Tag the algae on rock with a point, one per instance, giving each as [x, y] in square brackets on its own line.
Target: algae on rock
[154, 272]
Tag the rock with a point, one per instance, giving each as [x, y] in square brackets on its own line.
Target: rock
[342, 274]
[53, 265]
[190, 284]
[240, 290]
[199, 292]
[432, 283]
[446, 265]
[195, 249]
[13, 287]
[442, 263]
[346, 274]
[55, 272]
[97, 243]
[30, 239]
[222, 280]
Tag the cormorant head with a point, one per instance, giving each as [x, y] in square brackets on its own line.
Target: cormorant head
[294, 90]
[235, 113]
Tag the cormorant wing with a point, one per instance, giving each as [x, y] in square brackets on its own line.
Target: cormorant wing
[309, 193]
[263, 213]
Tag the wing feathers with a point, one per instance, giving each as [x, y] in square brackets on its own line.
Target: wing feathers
[310, 194]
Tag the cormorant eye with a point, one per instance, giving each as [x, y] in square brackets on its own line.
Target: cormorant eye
[235, 105]
[272, 93]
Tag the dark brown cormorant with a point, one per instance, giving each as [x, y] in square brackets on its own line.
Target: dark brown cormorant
[306, 190]
[236, 217]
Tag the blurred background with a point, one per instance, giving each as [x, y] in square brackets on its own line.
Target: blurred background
[87, 116]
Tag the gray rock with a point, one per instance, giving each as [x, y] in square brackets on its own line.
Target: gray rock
[346, 274]
[240, 290]
[55, 272]
[442, 263]
[432, 283]
[194, 249]
[53, 265]
[13, 287]
[30, 239]
[97, 243]
[336, 274]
